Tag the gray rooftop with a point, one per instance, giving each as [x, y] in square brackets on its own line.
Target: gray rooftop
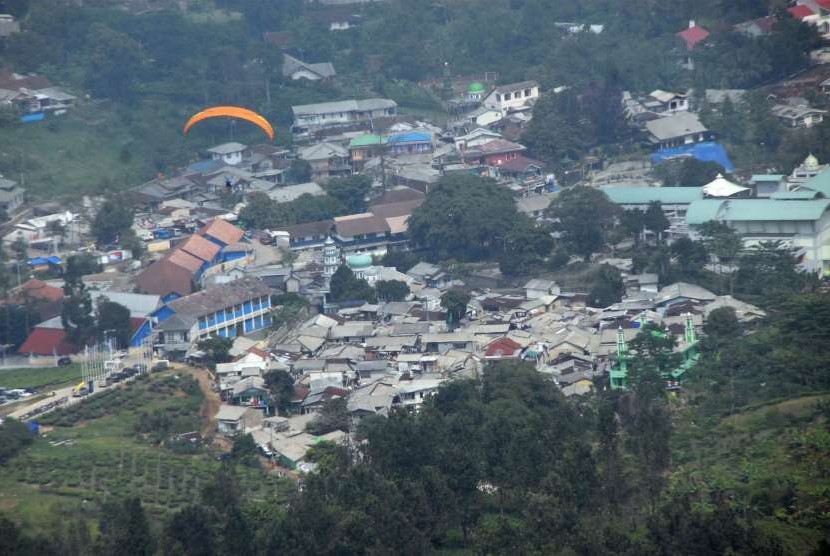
[676, 125]
[365, 105]
[227, 148]
[210, 300]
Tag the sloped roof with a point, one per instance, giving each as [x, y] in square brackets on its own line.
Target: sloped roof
[499, 146]
[502, 347]
[676, 125]
[167, 276]
[47, 341]
[646, 195]
[693, 36]
[35, 290]
[360, 224]
[322, 151]
[516, 87]
[801, 11]
[221, 296]
[344, 106]
[391, 210]
[820, 182]
[748, 210]
[684, 289]
[201, 248]
[223, 231]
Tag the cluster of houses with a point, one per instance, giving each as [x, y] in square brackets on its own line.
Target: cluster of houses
[395, 355]
[33, 97]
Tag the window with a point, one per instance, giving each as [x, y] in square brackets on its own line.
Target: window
[527, 92]
[506, 96]
[498, 97]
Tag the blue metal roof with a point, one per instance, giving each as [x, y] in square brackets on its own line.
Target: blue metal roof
[707, 151]
[37, 261]
[205, 165]
[410, 137]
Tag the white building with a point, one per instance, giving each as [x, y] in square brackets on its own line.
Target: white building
[229, 153]
[515, 97]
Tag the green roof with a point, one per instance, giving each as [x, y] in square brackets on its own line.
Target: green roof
[368, 140]
[796, 195]
[645, 195]
[766, 177]
[357, 262]
[821, 182]
[749, 210]
[475, 87]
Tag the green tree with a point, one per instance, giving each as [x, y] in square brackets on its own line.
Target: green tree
[607, 287]
[633, 224]
[80, 265]
[116, 62]
[691, 256]
[350, 192]
[190, 531]
[114, 322]
[16, 322]
[217, 349]
[655, 220]
[770, 269]
[112, 220]
[333, 416]
[244, 450]
[125, 529]
[463, 217]
[20, 249]
[391, 290]
[455, 302]
[77, 316]
[280, 386]
[722, 242]
[14, 436]
[300, 171]
[583, 215]
[525, 247]
[344, 286]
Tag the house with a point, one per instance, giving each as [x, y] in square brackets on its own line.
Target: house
[515, 97]
[290, 193]
[538, 287]
[414, 393]
[374, 398]
[674, 201]
[233, 309]
[443, 342]
[45, 300]
[429, 275]
[825, 86]
[161, 189]
[476, 137]
[361, 232]
[12, 196]
[503, 348]
[522, 169]
[666, 102]
[249, 391]
[494, 153]
[757, 27]
[366, 146]
[681, 292]
[235, 419]
[310, 118]
[798, 116]
[681, 128]
[316, 399]
[172, 276]
[8, 25]
[295, 69]
[311, 235]
[482, 116]
[327, 160]
[411, 142]
[692, 37]
[646, 282]
[801, 12]
[228, 153]
[535, 206]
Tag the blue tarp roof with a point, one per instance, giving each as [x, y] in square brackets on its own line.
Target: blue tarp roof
[37, 261]
[410, 137]
[708, 151]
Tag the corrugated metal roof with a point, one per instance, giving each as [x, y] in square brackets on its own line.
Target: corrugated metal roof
[820, 182]
[747, 210]
[646, 195]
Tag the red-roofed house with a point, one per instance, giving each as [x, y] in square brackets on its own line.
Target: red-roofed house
[45, 300]
[47, 341]
[522, 168]
[503, 348]
[693, 36]
[494, 153]
[200, 248]
[801, 11]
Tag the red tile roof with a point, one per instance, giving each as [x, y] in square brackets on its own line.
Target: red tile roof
[767, 23]
[499, 146]
[503, 347]
[35, 290]
[222, 230]
[693, 36]
[47, 341]
[824, 4]
[185, 260]
[520, 164]
[200, 247]
[801, 11]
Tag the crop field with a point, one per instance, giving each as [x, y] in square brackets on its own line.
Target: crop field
[40, 378]
[108, 446]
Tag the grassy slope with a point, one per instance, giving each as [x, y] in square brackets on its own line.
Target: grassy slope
[51, 377]
[46, 483]
[773, 461]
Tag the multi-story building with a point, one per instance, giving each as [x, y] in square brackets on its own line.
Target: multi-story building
[309, 118]
[515, 97]
[232, 309]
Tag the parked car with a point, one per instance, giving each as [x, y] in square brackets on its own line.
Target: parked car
[64, 361]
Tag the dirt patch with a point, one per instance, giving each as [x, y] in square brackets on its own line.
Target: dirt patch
[211, 404]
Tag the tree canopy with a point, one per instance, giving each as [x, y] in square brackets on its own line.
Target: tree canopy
[583, 216]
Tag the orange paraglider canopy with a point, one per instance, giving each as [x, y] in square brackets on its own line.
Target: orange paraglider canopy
[231, 112]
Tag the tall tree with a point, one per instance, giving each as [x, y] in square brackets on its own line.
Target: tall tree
[607, 287]
[655, 220]
[392, 290]
[111, 221]
[583, 216]
[77, 316]
[455, 302]
[125, 529]
[114, 322]
[350, 192]
[280, 386]
[190, 531]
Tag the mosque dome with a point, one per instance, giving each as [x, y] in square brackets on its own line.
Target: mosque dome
[359, 262]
